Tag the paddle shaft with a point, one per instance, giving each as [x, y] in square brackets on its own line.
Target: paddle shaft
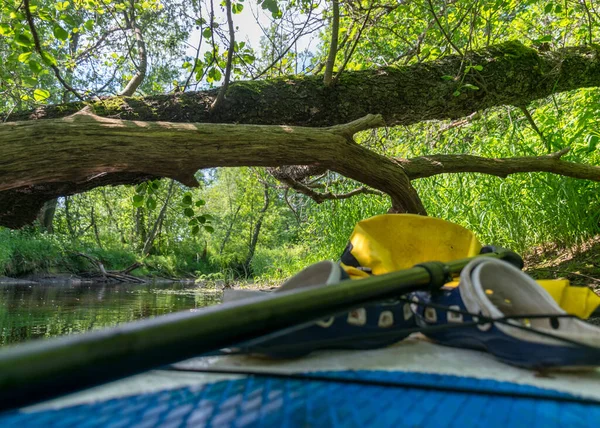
[45, 369]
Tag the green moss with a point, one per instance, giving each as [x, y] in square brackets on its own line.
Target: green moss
[109, 106]
[514, 49]
[246, 88]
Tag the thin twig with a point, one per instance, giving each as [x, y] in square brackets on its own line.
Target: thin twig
[286, 50]
[444, 33]
[187, 82]
[569, 273]
[535, 127]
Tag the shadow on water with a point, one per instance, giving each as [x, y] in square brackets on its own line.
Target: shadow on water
[37, 311]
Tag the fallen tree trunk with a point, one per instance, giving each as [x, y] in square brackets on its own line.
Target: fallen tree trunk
[512, 74]
[85, 147]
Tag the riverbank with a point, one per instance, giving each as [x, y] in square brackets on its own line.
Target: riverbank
[45, 261]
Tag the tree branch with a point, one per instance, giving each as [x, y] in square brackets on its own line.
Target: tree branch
[142, 66]
[333, 46]
[535, 127]
[223, 90]
[441, 27]
[427, 166]
[353, 47]
[319, 197]
[79, 151]
[38, 48]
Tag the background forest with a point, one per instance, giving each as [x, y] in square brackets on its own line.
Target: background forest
[243, 222]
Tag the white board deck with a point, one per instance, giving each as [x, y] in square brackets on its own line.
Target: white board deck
[411, 355]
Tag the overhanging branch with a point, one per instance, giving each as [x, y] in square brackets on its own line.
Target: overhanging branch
[320, 197]
[427, 166]
[81, 151]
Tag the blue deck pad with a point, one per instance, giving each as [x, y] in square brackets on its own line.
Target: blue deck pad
[269, 401]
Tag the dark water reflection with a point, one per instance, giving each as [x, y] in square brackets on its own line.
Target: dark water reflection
[34, 311]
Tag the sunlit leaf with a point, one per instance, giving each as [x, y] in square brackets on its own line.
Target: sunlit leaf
[41, 94]
[24, 57]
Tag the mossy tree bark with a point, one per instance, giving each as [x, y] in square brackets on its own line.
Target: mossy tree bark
[512, 74]
[40, 160]
[85, 147]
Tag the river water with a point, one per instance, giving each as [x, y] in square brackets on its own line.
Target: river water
[40, 311]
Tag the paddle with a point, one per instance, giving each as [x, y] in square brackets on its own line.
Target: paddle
[44, 369]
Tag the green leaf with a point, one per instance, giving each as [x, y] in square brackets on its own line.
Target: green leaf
[60, 33]
[471, 87]
[195, 230]
[29, 82]
[237, 8]
[187, 200]
[73, 23]
[549, 7]
[141, 188]
[138, 201]
[23, 40]
[35, 66]
[188, 212]
[192, 222]
[5, 30]
[209, 229]
[24, 56]
[456, 93]
[41, 95]
[200, 202]
[89, 25]
[592, 141]
[49, 59]
[207, 33]
[45, 15]
[61, 5]
[214, 75]
[273, 7]
[447, 77]
[478, 67]
[201, 219]
[151, 203]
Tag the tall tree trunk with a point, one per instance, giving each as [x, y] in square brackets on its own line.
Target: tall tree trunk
[95, 227]
[256, 232]
[46, 216]
[140, 226]
[111, 216]
[229, 229]
[150, 239]
[68, 217]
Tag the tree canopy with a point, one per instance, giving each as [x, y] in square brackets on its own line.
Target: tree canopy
[337, 99]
